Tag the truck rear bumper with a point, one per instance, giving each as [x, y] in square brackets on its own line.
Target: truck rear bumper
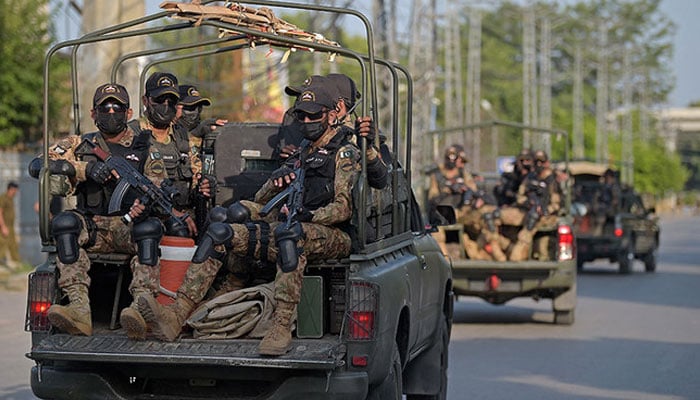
[591, 248]
[52, 383]
[498, 283]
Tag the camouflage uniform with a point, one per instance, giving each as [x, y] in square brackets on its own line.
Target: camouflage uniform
[145, 277]
[111, 235]
[322, 239]
[550, 203]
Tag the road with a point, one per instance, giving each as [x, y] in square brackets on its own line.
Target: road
[636, 337]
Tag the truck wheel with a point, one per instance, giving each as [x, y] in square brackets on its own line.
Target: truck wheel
[626, 258]
[564, 317]
[444, 344]
[650, 260]
[579, 264]
[392, 387]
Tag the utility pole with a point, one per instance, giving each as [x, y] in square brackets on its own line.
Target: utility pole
[578, 142]
[601, 137]
[627, 135]
[473, 103]
[545, 114]
[422, 64]
[529, 72]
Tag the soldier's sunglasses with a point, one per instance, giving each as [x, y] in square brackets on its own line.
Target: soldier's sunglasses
[193, 107]
[303, 115]
[117, 107]
[162, 99]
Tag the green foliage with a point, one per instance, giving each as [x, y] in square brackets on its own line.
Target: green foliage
[656, 171]
[24, 39]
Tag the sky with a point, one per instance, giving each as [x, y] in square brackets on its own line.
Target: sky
[685, 64]
[686, 59]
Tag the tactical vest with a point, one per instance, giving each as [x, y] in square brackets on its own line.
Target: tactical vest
[175, 156]
[93, 198]
[319, 178]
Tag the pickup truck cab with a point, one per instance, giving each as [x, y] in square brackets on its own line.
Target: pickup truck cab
[374, 325]
[621, 232]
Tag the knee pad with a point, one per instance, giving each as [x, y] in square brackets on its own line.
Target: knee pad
[217, 214]
[147, 235]
[217, 233]
[66, 228]
[287, 250]
[531, 219]
[237, 213]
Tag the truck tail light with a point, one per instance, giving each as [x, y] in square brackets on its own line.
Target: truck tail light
[618, 232]
[40, 297]
[566, 243]
[361, 312]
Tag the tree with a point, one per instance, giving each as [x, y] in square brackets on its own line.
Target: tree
[25, 36]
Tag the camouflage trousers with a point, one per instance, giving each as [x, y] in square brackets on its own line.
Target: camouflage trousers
[319, 242]
[111, 236]
[523, 246]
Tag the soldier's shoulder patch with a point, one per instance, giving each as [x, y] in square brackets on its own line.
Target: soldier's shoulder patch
[346, 153]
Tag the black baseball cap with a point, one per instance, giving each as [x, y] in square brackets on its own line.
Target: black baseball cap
[160, 83]
[339, 85]
[190, 96]
[314, 98]
[110, 91]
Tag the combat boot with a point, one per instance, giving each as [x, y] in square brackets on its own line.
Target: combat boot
[165, 321]
[75, 318]
[132, 321]
[278, 339]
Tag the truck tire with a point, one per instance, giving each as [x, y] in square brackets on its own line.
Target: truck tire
[392, 387]
[444, 335]
[650, 260]
[579, 264]
[626, 258]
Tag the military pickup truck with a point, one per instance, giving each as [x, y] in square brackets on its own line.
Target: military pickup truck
[611, 221]
[542, 276]
[374, 325]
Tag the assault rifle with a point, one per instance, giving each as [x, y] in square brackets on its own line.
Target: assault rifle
[128, 177]
[538, 200]
[203, 204]
[289, 232]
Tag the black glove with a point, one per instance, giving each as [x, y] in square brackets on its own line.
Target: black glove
[304, 215]
[98, 171]
[281, 172]
[365, 126]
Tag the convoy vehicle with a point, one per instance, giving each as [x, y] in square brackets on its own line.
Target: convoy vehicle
[543, 276]
[622, 232]
[374, 325]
